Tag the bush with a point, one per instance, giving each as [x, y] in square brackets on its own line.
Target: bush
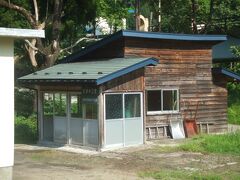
[26, 129]
[24, 102]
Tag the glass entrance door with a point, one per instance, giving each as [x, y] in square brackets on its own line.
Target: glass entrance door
[123, 119]
[60, 117]
[76, 120]
[83, 120]
[133, 122]
[70, 118]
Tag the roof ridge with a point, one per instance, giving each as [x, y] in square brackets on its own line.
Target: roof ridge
[141, 34]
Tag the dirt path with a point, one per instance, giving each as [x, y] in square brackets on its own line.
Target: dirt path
[31, 164]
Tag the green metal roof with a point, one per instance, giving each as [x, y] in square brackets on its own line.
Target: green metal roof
[222, 51]
[98, 71]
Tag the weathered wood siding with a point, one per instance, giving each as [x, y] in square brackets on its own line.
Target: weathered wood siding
[186, 66]
[131, 82]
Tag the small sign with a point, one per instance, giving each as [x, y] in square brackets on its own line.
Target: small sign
[89, 91]
[131, 11]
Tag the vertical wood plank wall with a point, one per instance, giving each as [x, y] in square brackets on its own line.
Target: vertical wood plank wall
[187, 66]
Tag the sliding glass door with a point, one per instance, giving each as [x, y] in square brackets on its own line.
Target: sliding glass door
[123, 119]
[70, 118]
[76, 121]
[60, 117]
[83, 120]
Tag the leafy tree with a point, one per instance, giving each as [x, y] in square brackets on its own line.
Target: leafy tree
[63, 22]
[113, 11]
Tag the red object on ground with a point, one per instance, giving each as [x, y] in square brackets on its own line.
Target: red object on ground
[190, 127]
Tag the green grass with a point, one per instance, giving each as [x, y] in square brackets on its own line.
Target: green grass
[180, 175]
[234, 114]
[165, 174]
[225, 144]
[233, 103]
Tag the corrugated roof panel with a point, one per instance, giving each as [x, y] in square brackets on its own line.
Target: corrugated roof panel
[89, 70]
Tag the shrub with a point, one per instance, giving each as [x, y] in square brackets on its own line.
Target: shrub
[24, 101]
[26, 129]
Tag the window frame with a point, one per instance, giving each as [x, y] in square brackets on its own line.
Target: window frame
[163, 111]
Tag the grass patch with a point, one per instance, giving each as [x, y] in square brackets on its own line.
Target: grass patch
[233, 103]
[234, 114]
[225, 143]
[180, 174]
[189, 175]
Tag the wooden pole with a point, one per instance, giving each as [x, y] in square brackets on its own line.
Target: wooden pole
[137, 14]
[159, 16]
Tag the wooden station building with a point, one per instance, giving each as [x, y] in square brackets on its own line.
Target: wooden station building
[127, 87]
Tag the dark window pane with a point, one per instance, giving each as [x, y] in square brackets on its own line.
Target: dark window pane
[114, 106]
[132, 105]
[154, 100]
[91, 111]
[90, 108]
[175, 96]
[169, 100]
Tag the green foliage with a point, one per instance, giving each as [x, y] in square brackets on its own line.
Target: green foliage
[112, 11]
[225, 144]
[180, 175]
[236, 50]
[24, 102]
[26, 129]
[234, 103]
[234, 114]
[48, 107]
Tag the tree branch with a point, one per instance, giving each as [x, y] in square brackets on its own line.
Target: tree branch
[31, 51]
[31, 45]
[77, 42]
[36, 10]
[27, 14]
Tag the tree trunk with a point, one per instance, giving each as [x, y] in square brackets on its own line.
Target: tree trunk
[193, 18]
[49, 50]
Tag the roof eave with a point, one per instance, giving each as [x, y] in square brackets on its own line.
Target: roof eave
[227, 73]
[37, 81]
[171, 36]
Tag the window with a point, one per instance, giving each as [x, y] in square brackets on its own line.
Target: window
[114, 106]
[60, 104]
[48, 104]
[132, 105]
[162, 101]
[76, 106]
[120, 106]
[90, 108]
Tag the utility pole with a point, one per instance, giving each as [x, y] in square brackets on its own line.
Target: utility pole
[137, 14]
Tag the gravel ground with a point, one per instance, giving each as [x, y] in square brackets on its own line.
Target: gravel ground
[45, 163]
